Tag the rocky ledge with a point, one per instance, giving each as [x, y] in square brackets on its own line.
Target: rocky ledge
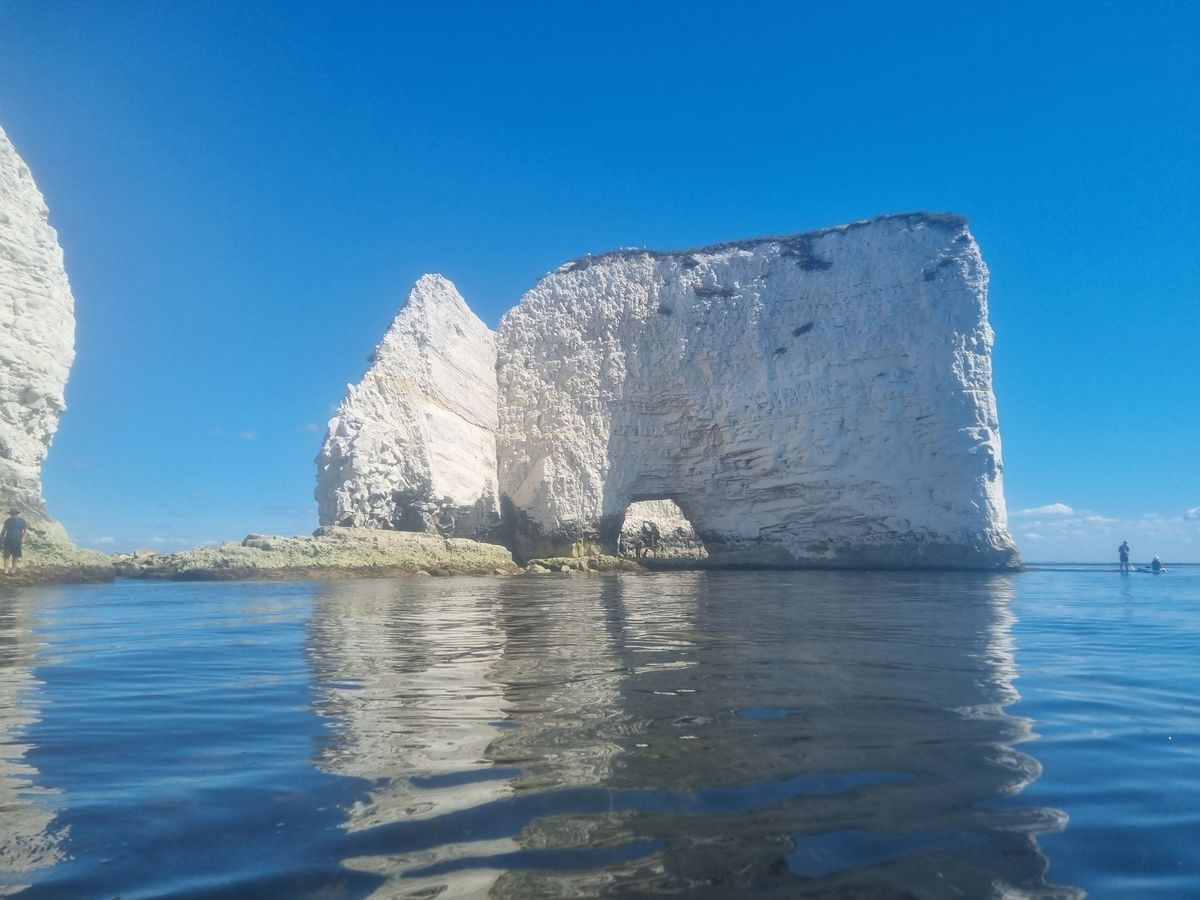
[332, 552]
[46, 559]
[602, 564]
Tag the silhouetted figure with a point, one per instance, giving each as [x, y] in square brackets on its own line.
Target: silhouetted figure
[12, 536]
[445, 522]
[1155, 565]
[1123, 551]
[648, 539]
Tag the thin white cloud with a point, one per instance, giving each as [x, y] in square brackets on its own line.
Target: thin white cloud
[248, 435]
[1051, 533]
[1050, 509]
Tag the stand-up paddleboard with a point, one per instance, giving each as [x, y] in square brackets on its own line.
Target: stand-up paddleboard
[1149, 571]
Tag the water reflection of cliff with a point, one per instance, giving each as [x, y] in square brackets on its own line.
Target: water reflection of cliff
[27, 841]
[796, 734]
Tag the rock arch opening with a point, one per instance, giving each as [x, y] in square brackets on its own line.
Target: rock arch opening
[658, 531]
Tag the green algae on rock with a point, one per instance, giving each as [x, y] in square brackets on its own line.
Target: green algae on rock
[49, 558]
[604, 564]
[332, 552]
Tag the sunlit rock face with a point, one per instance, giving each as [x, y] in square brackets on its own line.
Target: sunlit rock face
[37, 338]
[413, 445]
[818, 400]
[823, 399]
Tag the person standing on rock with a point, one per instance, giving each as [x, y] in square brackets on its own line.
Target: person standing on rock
[12, 536]
[648, 539]
[1123, 552]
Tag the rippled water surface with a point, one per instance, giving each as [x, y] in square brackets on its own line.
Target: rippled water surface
[707, 735]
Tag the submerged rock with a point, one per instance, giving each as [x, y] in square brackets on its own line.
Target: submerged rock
[600, 564]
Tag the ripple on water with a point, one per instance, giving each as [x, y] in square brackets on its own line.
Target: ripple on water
[835, 851]
[519, 738]
[766, 712]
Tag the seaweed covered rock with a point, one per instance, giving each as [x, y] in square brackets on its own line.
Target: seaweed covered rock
[332, 552]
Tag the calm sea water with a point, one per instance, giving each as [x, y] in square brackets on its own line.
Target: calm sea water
[707, 735]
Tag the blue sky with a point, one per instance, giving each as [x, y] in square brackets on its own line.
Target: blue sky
[245, 192]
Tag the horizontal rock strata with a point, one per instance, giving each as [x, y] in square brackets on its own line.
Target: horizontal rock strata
[816, 400]
[820, 400]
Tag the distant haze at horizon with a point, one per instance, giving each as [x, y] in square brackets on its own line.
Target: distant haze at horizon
[245, 194]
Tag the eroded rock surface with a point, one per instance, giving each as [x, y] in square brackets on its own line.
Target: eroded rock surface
[817, 400]
[37, 347]
[822, 399]
[37, 338]
[413, 445]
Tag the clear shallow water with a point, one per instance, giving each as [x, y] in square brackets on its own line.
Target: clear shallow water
[708, 735]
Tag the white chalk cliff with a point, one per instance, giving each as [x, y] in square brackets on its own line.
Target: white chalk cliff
[37, 338]
[822, 399]
[413, 445]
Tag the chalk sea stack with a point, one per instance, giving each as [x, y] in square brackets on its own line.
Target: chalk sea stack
[819, 400]
[413, 445]
[37, 347]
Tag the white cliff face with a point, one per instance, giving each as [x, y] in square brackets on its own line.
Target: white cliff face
[823, 399]
[413, 445]
[37, 337]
